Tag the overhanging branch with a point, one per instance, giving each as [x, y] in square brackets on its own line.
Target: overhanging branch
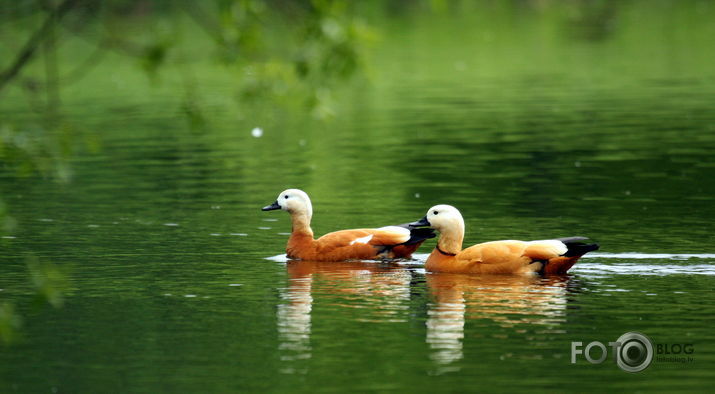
[30, 47]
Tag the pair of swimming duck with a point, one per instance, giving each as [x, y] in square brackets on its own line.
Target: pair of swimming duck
[551, 256]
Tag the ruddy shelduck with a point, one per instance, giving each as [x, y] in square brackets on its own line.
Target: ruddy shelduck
[551, 256]
[389, 242]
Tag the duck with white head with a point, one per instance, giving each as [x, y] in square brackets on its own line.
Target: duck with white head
[550, 256]
[390, 242]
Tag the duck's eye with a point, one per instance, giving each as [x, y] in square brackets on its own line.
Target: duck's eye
[286, 196]
[435, 212]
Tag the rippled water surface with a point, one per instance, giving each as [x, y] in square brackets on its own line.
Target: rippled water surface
[172, 286]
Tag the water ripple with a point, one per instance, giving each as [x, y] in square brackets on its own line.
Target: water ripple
[664, 256]
[591, 269]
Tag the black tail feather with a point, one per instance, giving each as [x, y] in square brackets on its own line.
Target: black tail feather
[568, 240]
[576, 246]
[417, 234]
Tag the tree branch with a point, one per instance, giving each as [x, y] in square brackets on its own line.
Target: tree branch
[30, 47]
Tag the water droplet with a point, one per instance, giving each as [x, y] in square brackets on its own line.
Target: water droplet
[257, 132]
[235, 284]
[190, 295]
[417, 195]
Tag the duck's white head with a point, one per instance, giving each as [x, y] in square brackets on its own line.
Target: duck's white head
[442, 218]
[294, 201]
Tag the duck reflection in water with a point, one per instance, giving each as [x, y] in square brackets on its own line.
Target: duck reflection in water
[381, 291]
[507, 300]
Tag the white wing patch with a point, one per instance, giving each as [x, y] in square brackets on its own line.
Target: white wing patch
[361, 240]
[395, 229]
[401, 231]
[558, 246]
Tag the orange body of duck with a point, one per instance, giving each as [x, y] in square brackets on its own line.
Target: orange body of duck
[551, 256]
[389, 242]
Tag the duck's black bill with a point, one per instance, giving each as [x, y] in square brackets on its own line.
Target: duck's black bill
[271, 207]
[420, 223]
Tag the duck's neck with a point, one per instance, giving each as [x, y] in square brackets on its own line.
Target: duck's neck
[301, 224]
[450, 241]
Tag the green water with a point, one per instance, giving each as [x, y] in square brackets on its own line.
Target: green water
[533, 123]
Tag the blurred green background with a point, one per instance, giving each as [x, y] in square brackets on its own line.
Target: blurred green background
[138, 140]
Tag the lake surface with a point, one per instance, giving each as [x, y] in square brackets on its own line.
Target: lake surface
[175, 277]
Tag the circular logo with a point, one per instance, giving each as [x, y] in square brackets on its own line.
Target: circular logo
[635, 353]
